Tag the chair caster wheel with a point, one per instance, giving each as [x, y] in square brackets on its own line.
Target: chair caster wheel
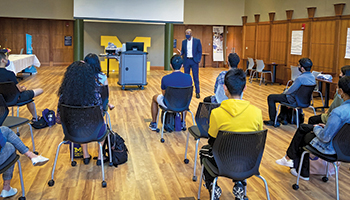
[22, 198]
[194, 178]
[157, 130]
[295, 187]
[186, 161]
[73, 163]
[104, 184]
[324, 179]
[36, 153]
[51, 182]
[110, 164]
[18, 134]
[162, 140]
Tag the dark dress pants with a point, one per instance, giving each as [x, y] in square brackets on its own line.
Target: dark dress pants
[189, 63]
[315, 120]
[272, 99]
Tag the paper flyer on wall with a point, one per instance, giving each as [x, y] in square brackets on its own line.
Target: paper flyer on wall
[297, 43]
[347, 51]
[218, 38]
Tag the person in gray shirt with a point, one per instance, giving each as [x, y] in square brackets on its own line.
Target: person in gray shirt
[288, 96]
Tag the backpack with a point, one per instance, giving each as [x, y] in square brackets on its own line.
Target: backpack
[47, 119]
[119, 149]
[169, 123]
[289, 115]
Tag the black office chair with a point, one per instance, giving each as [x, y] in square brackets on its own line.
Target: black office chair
[81, 124]
[13, 122]
[7, 164]
[237, 156]
[177, 100]
[342, 149]
[11, 93]
[200, 130]
[303, 100]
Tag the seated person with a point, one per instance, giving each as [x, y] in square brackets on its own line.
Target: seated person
[101, 78]
[79, 88]
[9, 142]
[175, 79]
[319, 136]
[233, 60]
[288, 96]
[6, 75]
[337, 101]
[236, 115]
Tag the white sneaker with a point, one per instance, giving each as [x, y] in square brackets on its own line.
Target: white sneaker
[9, 193]
[40, 160]
[283, 161]
[295, 173]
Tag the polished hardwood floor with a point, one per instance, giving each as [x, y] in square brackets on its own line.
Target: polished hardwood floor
[154, 170]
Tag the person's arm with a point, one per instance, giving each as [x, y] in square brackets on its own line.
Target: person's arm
[199, 51]
[213, 127]
[326, 133]
[3, 140]
[295, 86]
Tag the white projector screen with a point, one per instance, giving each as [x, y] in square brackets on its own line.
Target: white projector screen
[131, 10]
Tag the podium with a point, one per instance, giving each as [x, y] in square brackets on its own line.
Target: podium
[133, 69]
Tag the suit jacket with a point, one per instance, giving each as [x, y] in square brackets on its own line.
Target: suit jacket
[196, 50]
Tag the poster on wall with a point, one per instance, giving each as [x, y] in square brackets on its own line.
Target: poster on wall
[347, 49]
[218, 38]
[297, 43]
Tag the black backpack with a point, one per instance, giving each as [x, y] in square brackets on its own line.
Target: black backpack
[169, 124]
[119, 149]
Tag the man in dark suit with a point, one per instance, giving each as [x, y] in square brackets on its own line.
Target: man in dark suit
[191, 51]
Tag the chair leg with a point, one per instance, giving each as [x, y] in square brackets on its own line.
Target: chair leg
[188, 137]
[266, 187]
[321, 97]
[297, 114]
[314, 110]
[52, 182]
[109, 150]
[312, 100]
[288, 84]
[213, 188]
[278, 109]
[32, 136]
[296, 186]
[193, 122]
[194, 178]
[158, 116]
[17, 116]
[21, 179]
[109, 120]
[200, 183]
[327, 167]
[104, 184]
[336, 179]
[261, 74]
[163, 121]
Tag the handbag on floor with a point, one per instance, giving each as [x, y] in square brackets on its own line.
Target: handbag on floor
[318, 166]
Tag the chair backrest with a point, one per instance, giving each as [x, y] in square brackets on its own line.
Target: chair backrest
[303, 95]
[4, 111]
[294, 72]
[10, 92]
[178, 98]
[259, 65]
[81, 124]
[203, 115]
[341, 143]
[238, 155]
[104, 95]
[251, 63]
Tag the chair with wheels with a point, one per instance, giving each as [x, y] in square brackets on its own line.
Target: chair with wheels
[316, 73]
[237, 156]
[200, 130]
[260, 69]
[81, 124]
[11, 93]
[294, 74]
[9, 163]
[342, 149]
[177, 100]
[250, 67]
[13, 122]
[303, 100]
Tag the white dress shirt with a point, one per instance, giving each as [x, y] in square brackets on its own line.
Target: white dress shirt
[189, 48]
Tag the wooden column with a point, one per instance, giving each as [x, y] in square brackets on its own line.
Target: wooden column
[257, 17]
[311, 14]
[244, 21]
[272, 19]
[289, 15]
[338, 9]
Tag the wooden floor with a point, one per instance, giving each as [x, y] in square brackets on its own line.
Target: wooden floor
[155, 170]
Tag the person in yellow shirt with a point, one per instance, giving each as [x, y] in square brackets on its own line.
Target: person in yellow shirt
[235, 115]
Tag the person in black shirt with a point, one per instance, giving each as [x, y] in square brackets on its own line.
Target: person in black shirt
[6, 75]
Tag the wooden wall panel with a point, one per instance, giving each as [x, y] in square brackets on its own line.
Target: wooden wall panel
[345, 24]
[293, 59]
[47, 37]
[278, 48]
[263, 42]
[234, 42]
[249, 41]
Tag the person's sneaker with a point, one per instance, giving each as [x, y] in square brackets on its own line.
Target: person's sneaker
[153, 126]
[39, 160]
[284, 122]
[283, 161]
[198, 95]
[294, 172]
[9, 193]
[238, 190]
[271, 123]
[217, 192]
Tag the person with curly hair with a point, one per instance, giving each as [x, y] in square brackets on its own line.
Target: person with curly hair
[79, 88]
[101, 78]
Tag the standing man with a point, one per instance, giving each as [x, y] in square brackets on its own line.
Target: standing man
[191, 51]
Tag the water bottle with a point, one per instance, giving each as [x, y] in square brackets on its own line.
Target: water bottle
[177, 122]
